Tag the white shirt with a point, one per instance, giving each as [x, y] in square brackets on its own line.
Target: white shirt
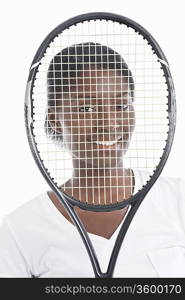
[37, 240]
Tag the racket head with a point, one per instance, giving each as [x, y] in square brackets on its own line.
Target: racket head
[136, 38]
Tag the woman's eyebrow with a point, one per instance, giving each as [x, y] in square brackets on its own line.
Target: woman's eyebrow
[119, 95]
[89, 97]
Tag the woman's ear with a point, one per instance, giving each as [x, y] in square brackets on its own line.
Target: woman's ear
[53, 121]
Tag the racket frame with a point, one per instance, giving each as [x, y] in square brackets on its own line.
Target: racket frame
[68, 202]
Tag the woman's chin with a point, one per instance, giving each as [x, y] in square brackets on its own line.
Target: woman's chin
[105, 163]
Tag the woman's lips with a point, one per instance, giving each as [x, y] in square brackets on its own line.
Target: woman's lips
[105, 147]
[107, 140]
[107, 144]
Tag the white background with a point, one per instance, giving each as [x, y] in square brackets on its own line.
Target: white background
[24, 25]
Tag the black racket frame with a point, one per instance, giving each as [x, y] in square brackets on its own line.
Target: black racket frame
[68, 202]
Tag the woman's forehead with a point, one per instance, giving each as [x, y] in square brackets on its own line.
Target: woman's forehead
[99, 81]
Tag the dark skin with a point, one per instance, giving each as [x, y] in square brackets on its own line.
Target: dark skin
[100, 110]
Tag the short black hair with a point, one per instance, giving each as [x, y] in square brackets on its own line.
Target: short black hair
[72, 61]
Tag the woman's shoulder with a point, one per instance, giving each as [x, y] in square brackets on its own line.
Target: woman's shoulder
[30, 212]
[168, 195]
[175, 186]
[172, 187]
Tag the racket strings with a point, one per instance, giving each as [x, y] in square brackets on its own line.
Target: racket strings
[100, 111]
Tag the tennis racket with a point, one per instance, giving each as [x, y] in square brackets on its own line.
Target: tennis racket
[99, 110]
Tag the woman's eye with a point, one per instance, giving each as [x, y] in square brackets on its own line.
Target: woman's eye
[86, 109]
[123, 107]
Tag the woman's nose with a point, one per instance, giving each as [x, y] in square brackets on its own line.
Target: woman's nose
[107, 121]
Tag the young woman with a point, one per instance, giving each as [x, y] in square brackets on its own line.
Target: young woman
[91, 115]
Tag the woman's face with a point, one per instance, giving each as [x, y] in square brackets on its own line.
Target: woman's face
[97, 118]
